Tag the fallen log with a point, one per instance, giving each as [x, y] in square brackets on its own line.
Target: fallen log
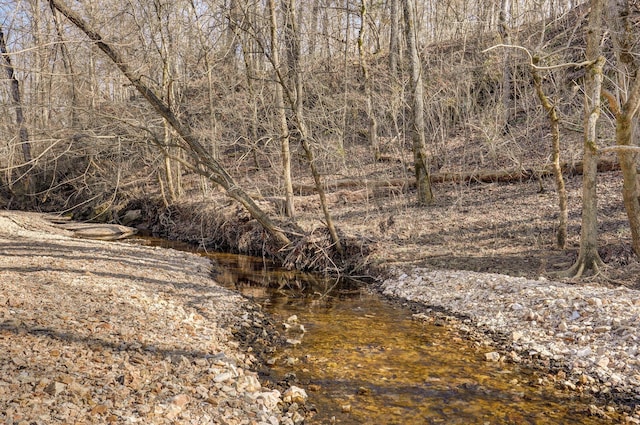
[488, 176]
[99, 231]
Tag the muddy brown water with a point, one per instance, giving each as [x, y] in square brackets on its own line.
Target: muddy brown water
[364, 360]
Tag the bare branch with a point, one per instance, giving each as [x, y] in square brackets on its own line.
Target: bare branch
[215, 171]
[541, 68]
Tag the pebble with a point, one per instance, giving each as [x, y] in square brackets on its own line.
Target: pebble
[589, 330]
[225, 376]
[493, 356]
[294, 395]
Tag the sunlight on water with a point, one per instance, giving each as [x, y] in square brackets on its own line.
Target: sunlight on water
[369, 362]
[363, 360]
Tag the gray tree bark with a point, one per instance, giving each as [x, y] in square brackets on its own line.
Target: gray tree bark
[588, 257]
[507, 86]
[554, 121]
[371, 117]
[292, 41]
[289, 206]
[626, 43]
[421, 163]
[15, 99]
[394, 37]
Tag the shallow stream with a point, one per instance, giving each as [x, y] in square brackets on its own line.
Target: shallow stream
[364, 360]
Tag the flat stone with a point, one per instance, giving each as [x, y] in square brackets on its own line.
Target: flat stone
[294, 395]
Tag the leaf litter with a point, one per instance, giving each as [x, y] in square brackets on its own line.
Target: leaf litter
[98, 332]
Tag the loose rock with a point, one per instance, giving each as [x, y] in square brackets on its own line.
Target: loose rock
[110, 332]
[590, 330]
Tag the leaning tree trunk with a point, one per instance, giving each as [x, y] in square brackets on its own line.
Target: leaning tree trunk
[213, 170]
[625, 40]
[421, 164]
[588, 257]
[554, 121]
[630, 193]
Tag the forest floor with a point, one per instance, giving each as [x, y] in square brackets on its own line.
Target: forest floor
[94, 302]
[95, 332]
[506, 228]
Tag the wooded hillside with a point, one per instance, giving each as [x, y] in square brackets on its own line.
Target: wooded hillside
[109, 107]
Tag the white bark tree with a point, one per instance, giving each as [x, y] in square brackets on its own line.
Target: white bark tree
[588, 257]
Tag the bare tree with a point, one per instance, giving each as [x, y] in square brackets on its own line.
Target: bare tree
[164, 47]
[554, 122]
[205, 163]
[421, 163]
[23, 133]
[626, 40]
[505, 35]
[281, 114]
[394, 36]
[588, 257]
[68, 67]
[371, 117]
[295, 98]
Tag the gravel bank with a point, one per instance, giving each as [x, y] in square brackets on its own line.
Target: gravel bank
[104, 332]
[590, 332]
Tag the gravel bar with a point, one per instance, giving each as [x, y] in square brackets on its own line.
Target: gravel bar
[589, 331]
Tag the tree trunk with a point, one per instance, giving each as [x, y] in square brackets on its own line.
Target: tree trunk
[346, 71]
[213, 170]
[213, 124]
[68, 67]
[554, 121]
[630, 193]
[588, 257]
[503, 30]
[421, 164]
[315, 27]
[625, 40]
[168, 171]
[395, 57]
[289, 207]
[23, 133]
[371, 117]
[394, 37]
[295, 98]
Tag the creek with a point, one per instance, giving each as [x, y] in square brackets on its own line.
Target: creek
[365, 360]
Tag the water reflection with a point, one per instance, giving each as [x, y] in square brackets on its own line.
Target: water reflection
[365, 361]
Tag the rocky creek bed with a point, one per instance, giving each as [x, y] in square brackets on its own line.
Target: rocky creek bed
[102, 332]
[98, 332]
[585, 335]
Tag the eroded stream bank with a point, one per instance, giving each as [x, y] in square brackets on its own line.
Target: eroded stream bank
[362, 359]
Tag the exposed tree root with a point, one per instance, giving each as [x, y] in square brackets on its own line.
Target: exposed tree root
[591, 265]
[230, 228]
[316, 252]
